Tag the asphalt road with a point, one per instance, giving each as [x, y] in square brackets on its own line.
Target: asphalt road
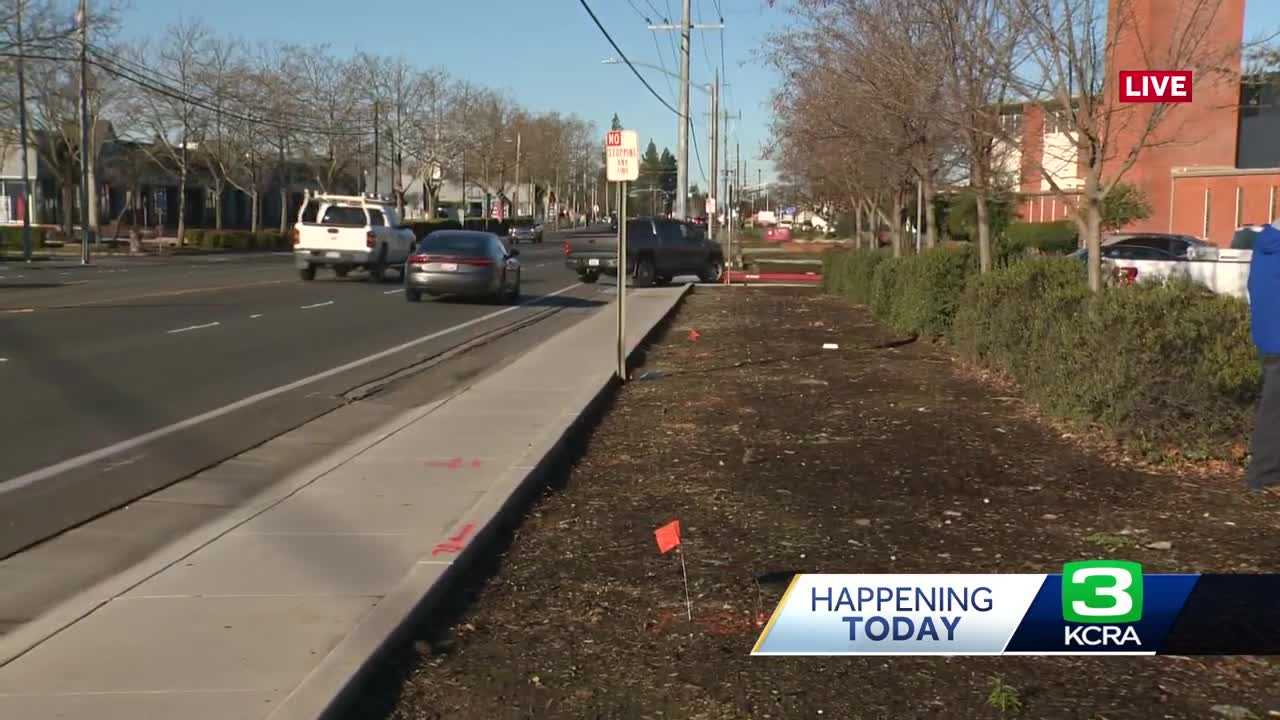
[127, 376]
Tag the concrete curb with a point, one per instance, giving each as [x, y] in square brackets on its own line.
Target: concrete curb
[26, 637]
[336, 683]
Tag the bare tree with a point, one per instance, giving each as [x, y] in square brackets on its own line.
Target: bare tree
[332, 92]
[981, 43]
[1071, 44]
[169, 119]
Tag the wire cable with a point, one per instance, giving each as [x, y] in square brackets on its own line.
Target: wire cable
[623, 55]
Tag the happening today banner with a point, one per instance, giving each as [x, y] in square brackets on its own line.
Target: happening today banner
[1094, 607]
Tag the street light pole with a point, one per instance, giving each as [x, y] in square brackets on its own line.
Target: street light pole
[86, 168]
[515, 194]
[22, 131]
[682, 140]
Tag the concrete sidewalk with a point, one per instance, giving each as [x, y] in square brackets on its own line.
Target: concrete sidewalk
[275, 610]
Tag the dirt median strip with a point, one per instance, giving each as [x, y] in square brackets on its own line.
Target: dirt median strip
[879, 457]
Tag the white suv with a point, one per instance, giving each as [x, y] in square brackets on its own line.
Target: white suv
[345, 231]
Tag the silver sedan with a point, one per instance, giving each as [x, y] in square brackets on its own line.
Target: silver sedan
[462, 263]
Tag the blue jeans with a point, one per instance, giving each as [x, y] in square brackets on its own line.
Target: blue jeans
[1264, 465]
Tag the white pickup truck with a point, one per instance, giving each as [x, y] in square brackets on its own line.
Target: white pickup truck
[343, 232]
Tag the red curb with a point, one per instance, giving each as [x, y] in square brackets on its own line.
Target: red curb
[739, 276]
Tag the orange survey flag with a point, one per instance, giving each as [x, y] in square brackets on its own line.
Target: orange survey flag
[668, 536]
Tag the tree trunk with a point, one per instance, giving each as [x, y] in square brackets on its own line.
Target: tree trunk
[930, 213]
[68, 193]
[253, 211]
[182, 206]
[1091, 229]
[984, 232]
[896, 230]
[429, 197]
[218, 186]
[857, 224]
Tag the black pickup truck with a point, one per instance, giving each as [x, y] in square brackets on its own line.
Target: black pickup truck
[658, 249]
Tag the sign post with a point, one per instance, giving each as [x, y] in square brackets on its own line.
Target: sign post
[622, 155]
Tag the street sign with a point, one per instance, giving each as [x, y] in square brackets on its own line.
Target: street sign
[791, 210]
[621, 148]
[711, 206]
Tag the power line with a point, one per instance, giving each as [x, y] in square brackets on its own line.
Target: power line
[623, 55]
[706, 51]
[639, 12]
[666, 76]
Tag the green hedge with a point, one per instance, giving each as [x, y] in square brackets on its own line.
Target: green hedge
[915, 294]
[1156, 365]
[11, 238]
[850, 272]
[1058, 237]
[926, 289]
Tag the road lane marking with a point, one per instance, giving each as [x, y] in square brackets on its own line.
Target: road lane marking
[22, 310]
[35, 476]
[144, 296]
[392, 292]
[193, 327]
[255, 317]
[308, 307]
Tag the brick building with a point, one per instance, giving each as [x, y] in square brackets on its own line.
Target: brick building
[1216, 161]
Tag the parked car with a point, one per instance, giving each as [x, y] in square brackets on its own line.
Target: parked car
[526, 229]
[1143, 256]
[465, 263]
[343, 232]
[658, 249]
[1244, 237]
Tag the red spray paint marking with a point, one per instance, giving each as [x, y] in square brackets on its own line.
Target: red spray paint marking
[694, 335]
[453, 464]
[723, 623]
[455, 543]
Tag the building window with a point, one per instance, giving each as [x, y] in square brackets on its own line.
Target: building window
[1055, 121]
[1208, 200]
[1011, 124]
[1239, 205]
[1271, 206]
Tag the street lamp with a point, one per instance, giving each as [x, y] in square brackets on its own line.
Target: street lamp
[706, 88]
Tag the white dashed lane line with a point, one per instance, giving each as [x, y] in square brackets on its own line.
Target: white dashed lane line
[255, 317]
[308, 307]
[193, 327]
[392, 292]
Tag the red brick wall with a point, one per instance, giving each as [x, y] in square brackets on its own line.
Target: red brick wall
[1189, 201]
[1032, 147]
[1206, 128]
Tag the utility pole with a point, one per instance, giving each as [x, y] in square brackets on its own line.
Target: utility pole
[685, 27]
[375, 147]
[22, 131]
[919, 212]
[515, 194]
[86, 168]
[714, 138]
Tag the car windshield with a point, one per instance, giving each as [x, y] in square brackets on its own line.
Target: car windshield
[343, 215]
[1244, 239]
[455, 244]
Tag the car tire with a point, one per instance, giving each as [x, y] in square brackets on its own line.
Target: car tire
[378, 268]
[713, 272]
[307, 273]
[645, 273]
[589, 278]
[412, 295]
[341, 270]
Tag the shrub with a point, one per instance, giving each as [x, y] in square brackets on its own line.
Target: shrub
[961, 215]
[272, 240]
[884, 287]
[850, 273]
[1126, 203]
[11, 238]
[1154, 364]
[927, 290]
[195, 238]
[1058, 237]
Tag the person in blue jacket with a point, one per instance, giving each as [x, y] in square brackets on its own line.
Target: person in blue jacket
[1264, 310]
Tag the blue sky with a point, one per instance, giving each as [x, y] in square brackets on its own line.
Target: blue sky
[546, 53]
